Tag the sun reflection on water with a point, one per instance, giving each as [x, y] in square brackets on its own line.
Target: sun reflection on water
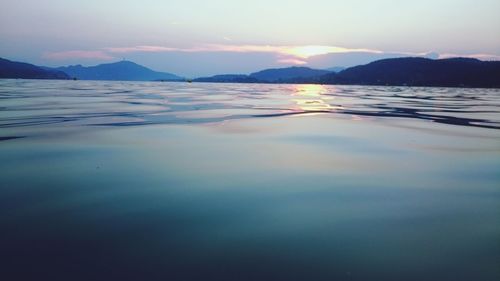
[312, 98]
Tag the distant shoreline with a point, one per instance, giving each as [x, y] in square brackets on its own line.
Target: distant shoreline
[258, 83]
[400, 72]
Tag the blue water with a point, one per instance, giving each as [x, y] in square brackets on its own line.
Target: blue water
[178, 181]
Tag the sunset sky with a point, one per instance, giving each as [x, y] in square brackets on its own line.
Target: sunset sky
[196, 38]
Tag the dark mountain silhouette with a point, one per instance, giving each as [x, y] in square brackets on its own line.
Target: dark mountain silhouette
[12, 69]
[456, 72]
[228, 78]
[118, 71]
[287, 74]
[277, 75]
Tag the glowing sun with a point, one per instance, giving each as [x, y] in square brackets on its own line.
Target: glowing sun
[311, 51]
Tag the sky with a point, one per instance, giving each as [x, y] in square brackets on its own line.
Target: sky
[195, 38]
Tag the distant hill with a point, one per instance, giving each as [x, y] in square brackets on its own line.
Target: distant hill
[278, 75]
[12, 69]
[287, 74]
[228, 78]
[456, 72]
[335, 69]
[118, 71]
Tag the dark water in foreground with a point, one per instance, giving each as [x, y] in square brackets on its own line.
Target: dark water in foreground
[173, 181]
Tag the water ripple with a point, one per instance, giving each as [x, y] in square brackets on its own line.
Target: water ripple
[29, 103]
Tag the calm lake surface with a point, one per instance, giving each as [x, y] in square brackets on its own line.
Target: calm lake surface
[178, 181]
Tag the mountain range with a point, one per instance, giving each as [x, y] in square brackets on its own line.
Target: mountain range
[455, 72]
[274, 75]
[283, 75]
[228, 78]
[11, 69]
[412, 71]
[118, 71]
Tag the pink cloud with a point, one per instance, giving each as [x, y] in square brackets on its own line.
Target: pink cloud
[144, 49]
[295, 55]
[242, 48]
[203, 48]
[288, 54]
[308, 51]
[294, 51]
[77, 54]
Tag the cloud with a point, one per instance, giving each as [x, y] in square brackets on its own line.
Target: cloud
[295, 55]
[141, 49]
[241, 48]
[317, 50]
[286, 54]
[292, 61]
[295, 51]
[474, 56]
[202, 48]
[77, 54]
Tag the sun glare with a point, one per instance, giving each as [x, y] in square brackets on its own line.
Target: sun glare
[310, 51]
[312, 98]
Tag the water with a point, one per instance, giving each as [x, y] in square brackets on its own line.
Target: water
[178, 181]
